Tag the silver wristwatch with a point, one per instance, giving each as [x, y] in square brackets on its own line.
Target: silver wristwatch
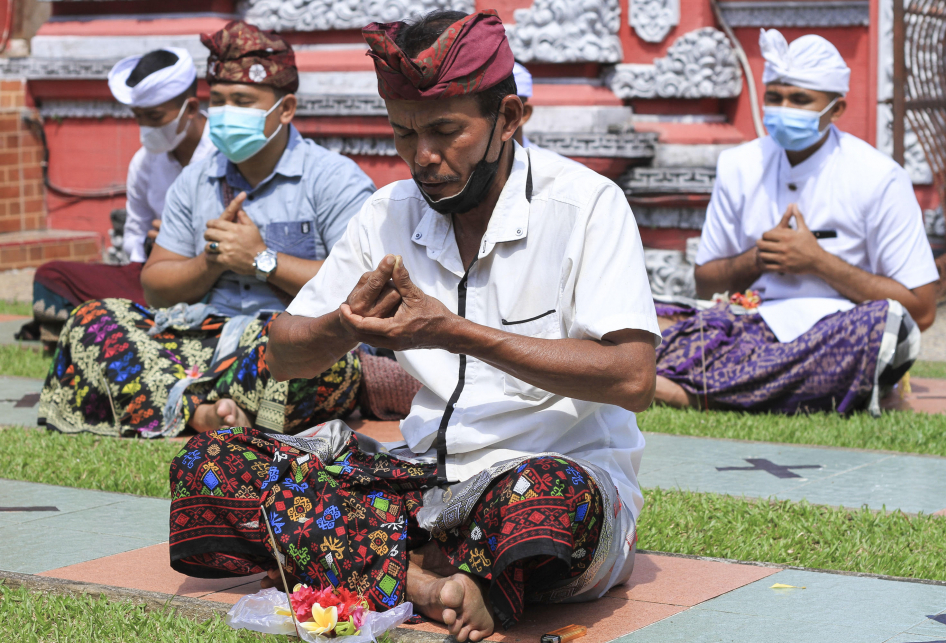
[265, 264]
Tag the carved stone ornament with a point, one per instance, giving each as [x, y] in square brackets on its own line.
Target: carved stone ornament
[367, 146]
[309, 105]
[653, 19]
[56, 109]
[791, 13]
[567, 31]
[699, 64]
[632, 145]
[670, 273]
[685, 218]
[54, 68]
[663, 180]
[323, 15]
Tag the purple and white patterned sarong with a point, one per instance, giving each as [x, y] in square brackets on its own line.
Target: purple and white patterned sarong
[840, 364]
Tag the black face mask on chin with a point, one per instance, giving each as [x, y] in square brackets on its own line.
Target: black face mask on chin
[473, 193]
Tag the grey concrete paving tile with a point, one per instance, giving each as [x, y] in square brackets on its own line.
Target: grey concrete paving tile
[932, 628]
[143, 518]
[66, 499]
[19, 401]
[9, 328]
[847, 477]
[26, 549]
[830, 608]
[908, 483]
[915, 638]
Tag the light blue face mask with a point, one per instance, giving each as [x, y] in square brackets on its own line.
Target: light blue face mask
[795, 129]
[238, 131]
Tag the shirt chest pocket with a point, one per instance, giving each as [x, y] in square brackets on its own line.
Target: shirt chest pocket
[296, 238]
[545, 325]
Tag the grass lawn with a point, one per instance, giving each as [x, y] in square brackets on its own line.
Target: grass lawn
[935, 370]
[87, 461]
[793, 533]
[673, 521]
[28, 617]
[22, 308]
[23, 361]
[897, 431]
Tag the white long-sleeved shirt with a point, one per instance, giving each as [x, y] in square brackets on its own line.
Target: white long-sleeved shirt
[149, 178]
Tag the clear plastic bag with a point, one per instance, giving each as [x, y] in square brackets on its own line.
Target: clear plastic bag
[257, 612]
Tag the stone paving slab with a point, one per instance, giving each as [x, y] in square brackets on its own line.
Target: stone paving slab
[85, 526]
[842, 477]
[19, 400]
[660, 587]
[831, 607]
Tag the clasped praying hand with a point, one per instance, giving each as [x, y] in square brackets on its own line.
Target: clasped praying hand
[387, 310]
[233, 240]
[789, 250]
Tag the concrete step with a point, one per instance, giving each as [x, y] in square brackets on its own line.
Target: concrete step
[33, 248]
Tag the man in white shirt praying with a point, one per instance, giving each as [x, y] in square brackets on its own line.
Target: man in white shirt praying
[493, 275]
[160, 87]
[829, 233]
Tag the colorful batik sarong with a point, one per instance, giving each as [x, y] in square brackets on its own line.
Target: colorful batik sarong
[110, 376]
[840, 364]
[346, 513]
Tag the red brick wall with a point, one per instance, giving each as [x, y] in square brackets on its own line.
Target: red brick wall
[21, 177]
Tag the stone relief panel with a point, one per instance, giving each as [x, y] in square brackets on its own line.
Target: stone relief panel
[650, 180]
[670, 272]
[567, 31]
[687, 218]
[791, 13]
[699, 64]
[652, 20]
[913, 159]
[632, 145]
[323, 15]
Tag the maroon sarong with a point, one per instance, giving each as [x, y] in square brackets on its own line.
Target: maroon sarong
[82, 282]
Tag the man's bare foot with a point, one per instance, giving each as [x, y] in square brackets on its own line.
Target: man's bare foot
[457, 601]
[218, 415]
[672, 394]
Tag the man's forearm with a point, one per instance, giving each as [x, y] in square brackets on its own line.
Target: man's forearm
[859, 286]
[170, 282]
[622, 375]
[292, 273]
[304, 347]
[732, 274]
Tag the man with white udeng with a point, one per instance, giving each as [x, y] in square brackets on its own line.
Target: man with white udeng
[829, 232]
[160, 87]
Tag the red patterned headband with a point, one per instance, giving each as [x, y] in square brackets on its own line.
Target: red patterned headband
[471, 55]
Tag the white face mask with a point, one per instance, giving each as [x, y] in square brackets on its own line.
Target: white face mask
[166, 138]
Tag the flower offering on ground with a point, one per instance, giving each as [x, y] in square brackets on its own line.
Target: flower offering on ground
[328, 611]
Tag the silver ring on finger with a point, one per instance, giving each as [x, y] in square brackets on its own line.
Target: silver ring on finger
[213, 248]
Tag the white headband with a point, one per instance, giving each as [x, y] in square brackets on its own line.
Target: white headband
[810, 62]
[156, 88]
[523, 81]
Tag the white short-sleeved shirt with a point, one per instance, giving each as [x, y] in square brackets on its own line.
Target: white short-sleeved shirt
[846, 186]
[567, 264]
[149, 178]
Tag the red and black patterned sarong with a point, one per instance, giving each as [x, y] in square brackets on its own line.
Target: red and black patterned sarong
[350, 519]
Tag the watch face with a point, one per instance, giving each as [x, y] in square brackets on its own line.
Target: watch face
[266, 262]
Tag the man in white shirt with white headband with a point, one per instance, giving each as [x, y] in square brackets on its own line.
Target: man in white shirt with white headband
[160, 87]
[827, 230]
